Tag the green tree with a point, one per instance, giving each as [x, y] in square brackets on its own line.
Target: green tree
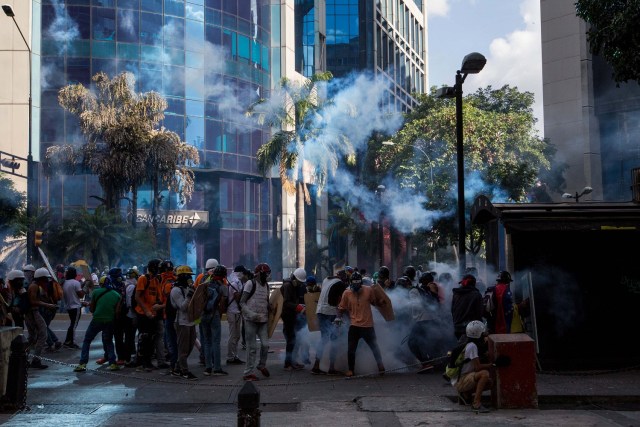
[124, 146]
[12, 202]
[296, 128]
[503, 153]
[614, 34]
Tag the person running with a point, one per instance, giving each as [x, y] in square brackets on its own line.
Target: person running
[357, 300]
[72, 295]
[105, 306]
[254, 304]
[180, 297]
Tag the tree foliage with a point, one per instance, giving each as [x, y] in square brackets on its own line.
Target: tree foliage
[614, 34]
[12, 202]
[124, 146]
[504, 156]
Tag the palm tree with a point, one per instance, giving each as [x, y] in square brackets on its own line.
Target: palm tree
[122, 138]
[296, 120]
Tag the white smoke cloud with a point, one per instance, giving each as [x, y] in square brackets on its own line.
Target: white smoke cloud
[63, 29]
[438, 7]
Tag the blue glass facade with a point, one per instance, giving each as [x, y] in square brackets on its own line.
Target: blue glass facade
[187, 51]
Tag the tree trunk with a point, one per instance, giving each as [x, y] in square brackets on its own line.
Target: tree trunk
[154, 207]
[134, 206]
[300, 226]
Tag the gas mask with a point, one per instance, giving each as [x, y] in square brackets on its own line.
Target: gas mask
[355, 287]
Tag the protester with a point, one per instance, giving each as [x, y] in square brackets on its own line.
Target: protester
[290, 308]
[150, 303]
[234, 317]
[217, 295]
[330, 294]
[357, 300]
[466, 305]
[170, 339]
[105, 306]
[180, 297]
[73, 295]
[254, 304]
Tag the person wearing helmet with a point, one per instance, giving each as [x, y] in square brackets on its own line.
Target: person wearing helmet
[290, 308]
[474, 376]
[500, 317]
[179, 298]
[208, 269]
[234, 318]
[466, 305]
[150, 304]
[384, 278]
[254, 306]
[36, 324]
[105, 307]
[16, 299]
[217, 294]
[28, 271]
[330, 293]
[357, 301]
[73, 296]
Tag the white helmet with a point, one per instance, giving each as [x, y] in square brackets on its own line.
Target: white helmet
[475, 329]
[41, 272]
[300, 274]
[15, 274]
[211, 263]
[28, 267]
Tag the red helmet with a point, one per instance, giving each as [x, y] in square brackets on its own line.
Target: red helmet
[263, 268]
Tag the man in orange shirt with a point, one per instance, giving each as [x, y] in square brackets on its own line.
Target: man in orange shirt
[357, 300]
[151, 303]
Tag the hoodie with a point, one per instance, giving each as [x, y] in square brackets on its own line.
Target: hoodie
[466, 306]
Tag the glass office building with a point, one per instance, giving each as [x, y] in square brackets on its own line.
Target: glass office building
[187, 51]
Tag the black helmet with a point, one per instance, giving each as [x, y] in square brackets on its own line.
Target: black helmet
[410, 272]
[220, 271]
[356, 278]
[384, 272]
[154, 265]
[426, 278]
[403, 282]
[504, 277]
[71, 273]
[166, 265]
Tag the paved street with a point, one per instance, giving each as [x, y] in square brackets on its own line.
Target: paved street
[59, 396]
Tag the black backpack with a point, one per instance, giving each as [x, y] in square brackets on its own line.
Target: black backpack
[171, 310]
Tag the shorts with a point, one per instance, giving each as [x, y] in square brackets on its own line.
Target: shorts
[466, 383]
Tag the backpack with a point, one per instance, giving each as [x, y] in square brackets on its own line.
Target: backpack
[456, 360]
[489, 302]
[213, 296]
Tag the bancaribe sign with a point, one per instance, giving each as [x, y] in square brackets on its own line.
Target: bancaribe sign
[175, 218]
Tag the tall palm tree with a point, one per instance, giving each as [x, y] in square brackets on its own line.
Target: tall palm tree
[296, 120]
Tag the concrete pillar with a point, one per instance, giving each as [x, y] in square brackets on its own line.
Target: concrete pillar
[7, 334]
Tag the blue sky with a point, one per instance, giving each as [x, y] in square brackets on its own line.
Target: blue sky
[506, 32]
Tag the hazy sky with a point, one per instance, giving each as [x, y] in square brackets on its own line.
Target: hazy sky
[506, 32]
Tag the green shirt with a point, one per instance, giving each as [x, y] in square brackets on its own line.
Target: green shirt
[106, 304]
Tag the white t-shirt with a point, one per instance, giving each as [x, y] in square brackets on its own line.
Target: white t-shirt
[70, 289]
[470, 352]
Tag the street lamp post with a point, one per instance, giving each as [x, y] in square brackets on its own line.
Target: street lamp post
[585, 190]
[473, 63]
[8, 10]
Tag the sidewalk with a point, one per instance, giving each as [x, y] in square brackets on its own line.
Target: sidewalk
[58, 396]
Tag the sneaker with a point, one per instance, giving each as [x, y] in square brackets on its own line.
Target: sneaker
[114, 367]
[37, 364]
[101, 361]
[164, 366]
[480, 409]
[235, 361]
[131, 364]
[334, 372]
[121, 363]
[67, 345]
[318, 371]
[189, 376]
[381, 370]
[82, 367]
[250, 377]
[264, 372]
[175, 372]
[348, 374]
[57, 345]
[219, 372]
[208, 371]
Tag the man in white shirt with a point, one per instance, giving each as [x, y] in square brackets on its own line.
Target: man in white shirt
[72, 295]
[234, 316]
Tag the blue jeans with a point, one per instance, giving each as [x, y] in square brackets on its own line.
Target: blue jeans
[171, 340]
[211, 334]
[328, 335]
[107, 340]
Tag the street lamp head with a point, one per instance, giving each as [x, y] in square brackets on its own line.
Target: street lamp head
[567, 196]
[446, 92]
[8, 10]
[586, 190]
[381, 188]
[473, 63]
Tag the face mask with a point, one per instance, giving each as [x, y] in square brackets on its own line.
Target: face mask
[189, 281]
[355, 287]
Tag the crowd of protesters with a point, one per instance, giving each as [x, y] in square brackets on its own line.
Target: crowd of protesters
[155, 319]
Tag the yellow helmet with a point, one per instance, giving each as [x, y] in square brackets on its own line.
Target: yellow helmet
[183, 269]
[102, 279]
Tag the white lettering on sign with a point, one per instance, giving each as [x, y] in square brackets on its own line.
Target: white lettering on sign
[175, 219]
